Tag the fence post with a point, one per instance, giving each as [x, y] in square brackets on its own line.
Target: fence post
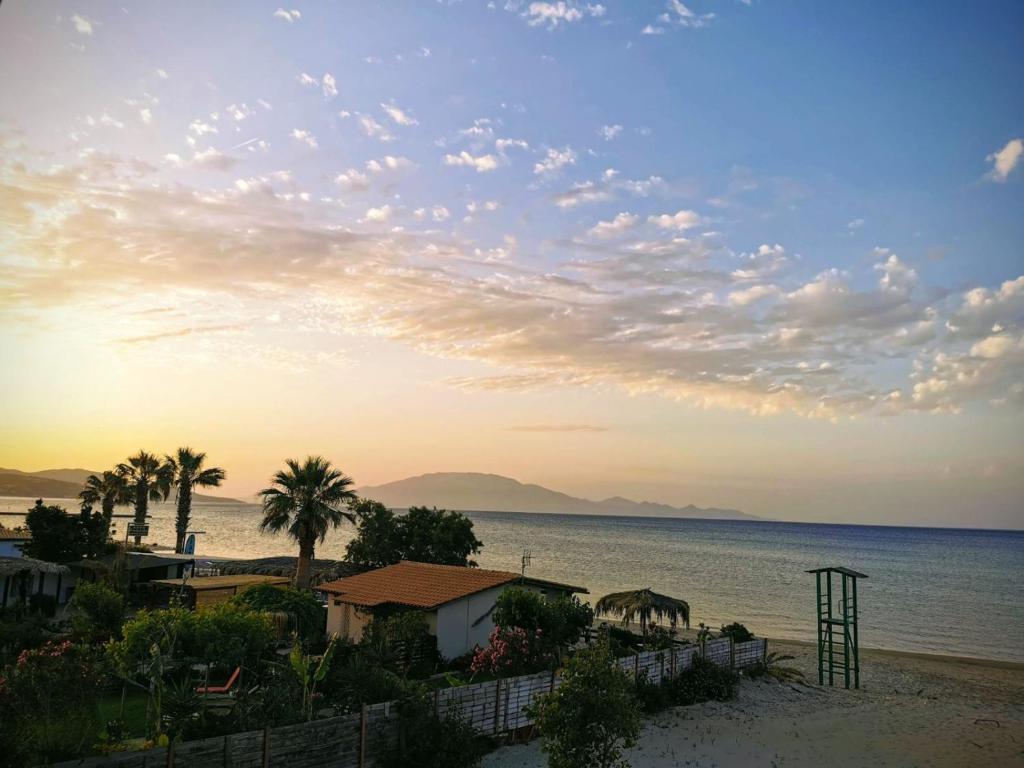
[764, 651]
[170, 754]
[362, 736]
[636, 667]
[226, 756]
[437, 693]
[672, 662]
[266, 747]
[497, 704]
[732, 654]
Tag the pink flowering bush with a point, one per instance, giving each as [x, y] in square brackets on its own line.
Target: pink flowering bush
[511, 651]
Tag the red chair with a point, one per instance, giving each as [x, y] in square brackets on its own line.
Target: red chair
[226, 688]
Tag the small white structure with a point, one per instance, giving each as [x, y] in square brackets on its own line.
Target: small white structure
[456, 601]
[11, 542]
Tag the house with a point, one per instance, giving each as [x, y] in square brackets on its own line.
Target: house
[137, 567]
[11, 542]
[456, 601]
[22, 577]
[203, 591]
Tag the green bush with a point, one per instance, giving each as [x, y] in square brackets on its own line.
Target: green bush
[353, 681]
[653, 697]
[99, 612]
[21, 633]
[561, 620]
[587, 720]
[737, 632]
[306, 612]
[704, 681]
[427, 741]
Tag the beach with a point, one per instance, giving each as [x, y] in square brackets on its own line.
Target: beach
[912, 710]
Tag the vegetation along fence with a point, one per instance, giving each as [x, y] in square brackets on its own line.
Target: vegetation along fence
[350, 741]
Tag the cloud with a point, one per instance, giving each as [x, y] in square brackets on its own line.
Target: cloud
[606, 188]
[482, 164]
[622, 223]
[652, 30]
[305, 137]
[353, 180]
[307, 80]
[373, 129]
[145, 115]
[554, 161]
[179, 332]
[398, 115]
[199, 128]
[679, 220]
[290, 16]
[663, 315]
[1005, 160]
[83, 25]
[212, 160]
[561, 12]
[330, 89]
[609, 132]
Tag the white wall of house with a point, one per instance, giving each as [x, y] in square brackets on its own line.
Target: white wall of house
[456, 634]
[346, 620]
[11, 548]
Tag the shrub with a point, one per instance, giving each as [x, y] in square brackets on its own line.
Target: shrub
[306, 612]
[354, 681]
[401, 642]
[427, 741]
[100, 612]
[18, 634]
[48, 703]
[512, 651]
[704, 681]
[587, 721]
[653, 697]
[737, 632]
[659, 638]
[561, 621]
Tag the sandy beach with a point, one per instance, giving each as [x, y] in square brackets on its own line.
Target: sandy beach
[911, 710]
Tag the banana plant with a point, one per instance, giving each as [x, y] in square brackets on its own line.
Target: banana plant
[311, 674]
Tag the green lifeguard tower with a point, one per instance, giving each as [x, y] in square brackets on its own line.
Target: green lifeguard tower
[838, 654]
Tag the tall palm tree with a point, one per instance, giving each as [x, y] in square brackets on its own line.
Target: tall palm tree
[644, 604]
[109, 490]
[306, 500]
[149, 480]
[188, 472]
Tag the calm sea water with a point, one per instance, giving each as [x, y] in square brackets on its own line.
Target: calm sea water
[932, 590]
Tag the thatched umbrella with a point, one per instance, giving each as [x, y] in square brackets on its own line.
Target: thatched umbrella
[643, 604]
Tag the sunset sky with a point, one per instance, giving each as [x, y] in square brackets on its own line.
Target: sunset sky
[765, 255]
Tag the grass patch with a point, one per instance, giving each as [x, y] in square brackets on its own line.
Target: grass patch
[134, 711]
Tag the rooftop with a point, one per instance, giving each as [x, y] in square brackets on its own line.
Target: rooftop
[422, 585]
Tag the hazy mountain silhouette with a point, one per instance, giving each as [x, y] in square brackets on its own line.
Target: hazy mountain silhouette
[65, 484]
[494, 493]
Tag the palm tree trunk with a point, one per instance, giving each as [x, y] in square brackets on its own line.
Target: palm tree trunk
[141, 506]
[302, 568]
[184, 515]
[108, 515]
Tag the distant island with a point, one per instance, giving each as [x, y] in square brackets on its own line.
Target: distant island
[475, 491]
[65, 484]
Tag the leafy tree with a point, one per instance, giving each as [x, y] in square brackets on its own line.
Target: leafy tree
[561, 620]
[57, 537]
[100, 611]
[592, 716]
[149, 480]
[304, 502]
[310, 673]
[187, 472]
[738, 632]
[109, 490]
[422, 534]
[310, 617]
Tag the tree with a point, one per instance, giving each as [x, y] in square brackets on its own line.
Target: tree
[561, 620]
[592, 715]
[109, 490]
[309, 616]
[57, 537]
[422, 534]
[100, 611]
[304, 501]
[644, 604]
[150, 480]
[187, 472]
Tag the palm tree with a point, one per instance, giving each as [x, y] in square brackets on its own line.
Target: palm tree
[644, 603]
[188, 472]
[109, 490]
[306, 501]
[149, 480]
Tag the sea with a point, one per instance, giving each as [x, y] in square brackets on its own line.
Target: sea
[933, 590]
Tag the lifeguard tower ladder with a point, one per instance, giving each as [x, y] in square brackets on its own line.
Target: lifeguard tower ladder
[838, 654]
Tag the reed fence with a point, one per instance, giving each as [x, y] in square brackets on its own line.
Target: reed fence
[496, 708]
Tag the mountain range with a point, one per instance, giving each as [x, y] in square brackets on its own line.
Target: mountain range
[65, 484]
[475, 491]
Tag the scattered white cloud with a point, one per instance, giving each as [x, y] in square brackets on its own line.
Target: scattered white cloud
[680, 220]
[482, 163]
[388, 163]
[162, 74]
[330, 88]
[199, 127]
[307, 80]
[305, 137]
[290, 16]
[145, 115]
[379, 215]
[398, 115]
[83, 25]
[609, 132]
[621, 224]
[745, 296]
[352, 180]
[212, 160]
[551, 14]
[650, 29]
[554, 160]
[1005, 160]
[374, 130]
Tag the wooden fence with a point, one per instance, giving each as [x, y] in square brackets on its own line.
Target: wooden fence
[350, 741]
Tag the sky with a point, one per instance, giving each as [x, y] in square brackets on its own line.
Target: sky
[764, 255]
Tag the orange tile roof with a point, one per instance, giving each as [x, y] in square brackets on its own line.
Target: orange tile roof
[418, 585]
[9, 535]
